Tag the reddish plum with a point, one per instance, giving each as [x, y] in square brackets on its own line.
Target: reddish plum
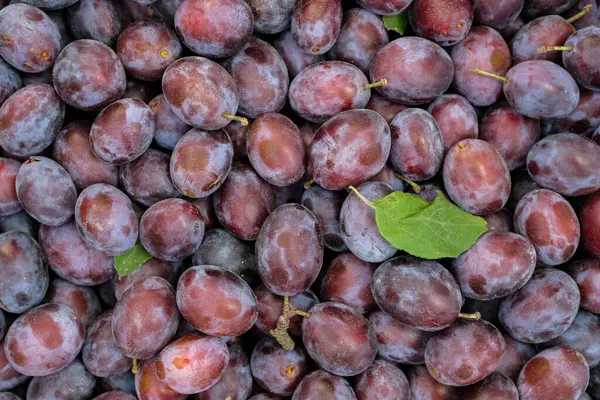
[423, 386]
[316, 24]
[276, 150]
[417, 70]
[216, 301]
[145, 318]
[465, 353]
[169, 128]
[382, 381]
[384, 107]
[29, 39]
[326, 206]
[549, 221]
[200, 92]
[192, 363]
[396, 342]
[348, 281]
[496, 386]
[559, 372]
[44, 340]
[9, 202]
[147, 48]
[277, 370]
[21, 258]
[100, 354]
[213, 29]
[339, 339]
[483, 48]
[516, 354]
[476, 177]
[323, 90]
[349, 149]
[30, 119]
[73, 382]
[321, 385]
[149, 387]
[73, 152]
[417, 145]
[289, 250]
[550, 30]
[201, 162]
[70, 258]
[122, 131]
[361, 37]
[295, 59]
[244, 202]
[81, 299]
[260, 76]
[236, 381]
[172, 229]
[419, 294]
[586, 273]
[88, 75]
[499, 263]
[497, 14]
[106, 219]
[46, 191]
[101, 20]
[147, 179]
[511, 133]
[456, 119]
[543, 309]
[446, 22]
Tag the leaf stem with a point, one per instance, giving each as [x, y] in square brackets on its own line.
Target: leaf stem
[381, 82]
[360, 196]
[474, 316]
[280, 333]
[308, 184]
[580, 14]
[546, 49]
[241, 120]
[412, 184]
[136, 366]
[489, 74]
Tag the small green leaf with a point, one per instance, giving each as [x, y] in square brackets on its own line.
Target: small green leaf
[397, 23]
[427, 230]
[128, 262]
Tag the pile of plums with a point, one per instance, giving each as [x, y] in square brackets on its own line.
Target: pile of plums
[176, 220]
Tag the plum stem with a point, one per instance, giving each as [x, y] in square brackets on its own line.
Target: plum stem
[580, 14]
[241, 120]
[136, 366]
[474, 316]
[381, 82]
[546, 49]
[309, 183]
[280, 333]
[489, 74]
[360, 196]
[415, 186]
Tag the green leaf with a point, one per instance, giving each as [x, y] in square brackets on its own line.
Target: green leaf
[424, 229]
[397, 23]
[130, 261]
